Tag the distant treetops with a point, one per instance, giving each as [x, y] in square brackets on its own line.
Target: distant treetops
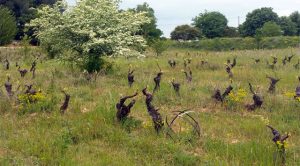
[263, 21]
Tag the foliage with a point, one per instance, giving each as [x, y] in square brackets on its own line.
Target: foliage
[104, 31]
[288, 27]
[231, 32]
[185, 32]
[24, 11]
[295, 17]
[149, 30]
[159, 46]
[256, 19]
[8, 26]
[271, 29]
[212, 24]
[93, 63]
[248, 43]
[258, 37]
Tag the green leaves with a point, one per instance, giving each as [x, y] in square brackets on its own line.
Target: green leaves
[256, 19]
[92, 26]
[212, 24]
[8, 27]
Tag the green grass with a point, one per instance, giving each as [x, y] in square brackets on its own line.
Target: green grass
[88, 134]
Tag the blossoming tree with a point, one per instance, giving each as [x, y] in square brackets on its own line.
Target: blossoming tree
[90, 30]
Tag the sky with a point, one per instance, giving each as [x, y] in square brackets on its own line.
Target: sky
[171, 13]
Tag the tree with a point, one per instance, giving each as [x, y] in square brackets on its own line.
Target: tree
[92, 29]
[271, 29]
[159, 46]
[8, 26]
[288, 27]
[212, 24]
[24, 11]
[231, 32]
[149, 30]
[256, 19]
[37, 3]
[185, 32]
[295, 17]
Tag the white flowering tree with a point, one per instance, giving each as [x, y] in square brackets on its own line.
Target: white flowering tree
[91, 29]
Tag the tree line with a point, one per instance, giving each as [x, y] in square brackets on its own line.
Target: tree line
[17, 13]
[259, 22]
[209, 24]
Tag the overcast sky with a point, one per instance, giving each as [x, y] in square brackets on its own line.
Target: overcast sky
[171, 13]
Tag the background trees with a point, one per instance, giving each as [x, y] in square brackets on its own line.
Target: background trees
[8, 27]
[295, 17]
[185, 32]
[24, 11]
[212, 24]
[256, 19]
[149, 30]
[231, 32]
[288, 27]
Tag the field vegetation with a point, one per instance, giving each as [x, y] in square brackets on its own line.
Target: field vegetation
[35, 132]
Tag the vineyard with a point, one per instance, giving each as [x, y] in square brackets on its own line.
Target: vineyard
[232, 108]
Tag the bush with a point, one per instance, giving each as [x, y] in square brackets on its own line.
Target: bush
[8, 26]
[159, 46]
[95, 63]
[248, 43]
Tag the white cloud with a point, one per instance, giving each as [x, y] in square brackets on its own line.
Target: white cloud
[171, 13]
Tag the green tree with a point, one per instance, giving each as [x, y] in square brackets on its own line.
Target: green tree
[159, 46]
[92, 29]
[231, 32]
[24, 11]
[8, 26]
[288, 27]
[185, 32]
[295, 17]
[271, 29]
[149, 30]
[256, 19]
[212, 24]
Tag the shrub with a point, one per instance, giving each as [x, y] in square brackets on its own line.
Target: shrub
[159, 46]
[8, 27]
[96, 63]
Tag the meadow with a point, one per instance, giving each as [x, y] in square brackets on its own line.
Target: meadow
[89, 134]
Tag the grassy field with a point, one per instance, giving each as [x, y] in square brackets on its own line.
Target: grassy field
[88, 134]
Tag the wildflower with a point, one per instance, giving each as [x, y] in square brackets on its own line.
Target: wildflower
[265, 120]
[297, 99]
[237, 96]
[31, 98]
[282, 145]
[146, 125]
[289, 94]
